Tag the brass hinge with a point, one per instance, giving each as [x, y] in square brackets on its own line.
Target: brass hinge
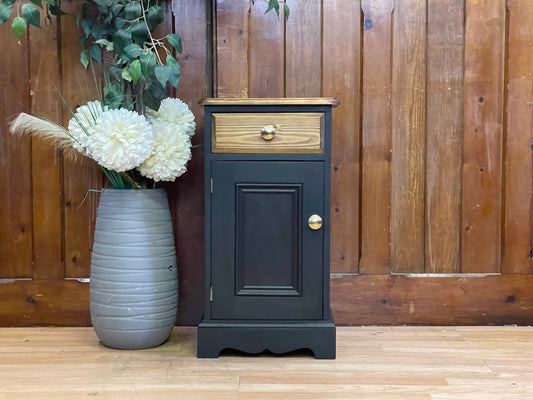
[211, 293]
[211, 185]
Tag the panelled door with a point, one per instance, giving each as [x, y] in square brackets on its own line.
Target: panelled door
[261, 241]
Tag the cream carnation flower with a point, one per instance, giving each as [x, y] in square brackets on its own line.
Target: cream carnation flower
[120, 140]
[174, 111]
[87, 116]
[172, 150]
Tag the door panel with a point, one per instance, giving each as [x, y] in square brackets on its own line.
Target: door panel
[266, 262]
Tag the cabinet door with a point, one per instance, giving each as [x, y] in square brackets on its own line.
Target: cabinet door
[266, 263]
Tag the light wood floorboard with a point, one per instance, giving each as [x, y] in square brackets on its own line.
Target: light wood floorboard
[374, 363]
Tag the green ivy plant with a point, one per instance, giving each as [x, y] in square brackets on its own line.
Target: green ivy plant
[141, 65]
[30, 13]
[138, 67]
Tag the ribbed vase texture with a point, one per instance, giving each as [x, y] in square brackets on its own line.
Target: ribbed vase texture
[134, 282]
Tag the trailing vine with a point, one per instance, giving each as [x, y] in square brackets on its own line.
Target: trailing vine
[139, 66]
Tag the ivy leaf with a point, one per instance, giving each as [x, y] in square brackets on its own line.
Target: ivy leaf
[148, 65]
[104, 3]
[8, 2]
[54, 9]
[86, 26]
[116, 8]
[96, 53]
[5, 12]
[159, 91]
[126, 75]
[287, 11]
[154, 16]
[175, 41]
[121, 39]
[174, 77]
[120, 23]
[162, 73]
[134, 70]
[150, 100]
[132, 10]
[18, 26]
[153, 95]
[32, 14]
[133, 50]
[105, 43]
[84, 58]
[38, 3]
[273, 5]
[113, 95]
[139, 32]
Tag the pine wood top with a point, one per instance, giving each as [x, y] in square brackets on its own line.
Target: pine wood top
[284, 101]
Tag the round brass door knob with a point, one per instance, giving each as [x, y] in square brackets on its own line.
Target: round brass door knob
[268, 132]
[315, 222]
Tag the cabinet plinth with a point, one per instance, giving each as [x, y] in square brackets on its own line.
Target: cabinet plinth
[267, 185]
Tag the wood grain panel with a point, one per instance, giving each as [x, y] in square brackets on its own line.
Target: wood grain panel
[482, 154]
[408, 136]
[518, 141]
[46, 160]
[376, 137]
[303, 49]
[186, 196]
[232, 48]
[294, 133]
[79, 177]
[444, 135]
[50, 302]
[341, 66]
[266, 59]
[15, 160]
[453, 300]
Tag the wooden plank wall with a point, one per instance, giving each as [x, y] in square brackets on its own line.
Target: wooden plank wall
[432, 175]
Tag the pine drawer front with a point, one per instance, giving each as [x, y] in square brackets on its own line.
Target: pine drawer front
[268, 132]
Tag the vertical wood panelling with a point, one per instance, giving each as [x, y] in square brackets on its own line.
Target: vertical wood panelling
[483, 113]
[303, 49]
[436, 98]
[408, 136]
[266, 52]
[232, 48]
[519, 141]
[15, 160]
[376, 137]
[83, 175]
[46, 161]
[186, 196]
[341, 65]
[444, 135]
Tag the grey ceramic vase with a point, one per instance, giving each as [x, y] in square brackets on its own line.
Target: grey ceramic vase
[134, 281]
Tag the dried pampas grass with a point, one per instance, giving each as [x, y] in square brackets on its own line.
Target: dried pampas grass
[25, 124]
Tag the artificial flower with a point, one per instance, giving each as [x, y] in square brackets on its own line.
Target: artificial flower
[174, 111]
[170, 154]
[79, 125]
[120, 140]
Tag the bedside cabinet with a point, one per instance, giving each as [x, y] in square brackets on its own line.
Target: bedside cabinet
[267, 188]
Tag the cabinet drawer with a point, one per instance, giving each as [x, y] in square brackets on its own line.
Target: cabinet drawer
[267, 132]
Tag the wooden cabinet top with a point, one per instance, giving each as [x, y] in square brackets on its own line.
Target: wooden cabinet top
[285, 101]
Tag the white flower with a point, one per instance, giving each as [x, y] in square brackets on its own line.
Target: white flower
[120, 140]
[174, 111]
[172, 150]
[84, 118]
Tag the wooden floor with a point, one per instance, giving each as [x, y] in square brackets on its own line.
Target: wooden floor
[375, 363]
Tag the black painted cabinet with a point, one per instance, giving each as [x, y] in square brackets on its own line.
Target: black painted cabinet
[267, 226]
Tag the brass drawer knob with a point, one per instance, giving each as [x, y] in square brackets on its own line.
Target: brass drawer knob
[315, 222]
[268, 132]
